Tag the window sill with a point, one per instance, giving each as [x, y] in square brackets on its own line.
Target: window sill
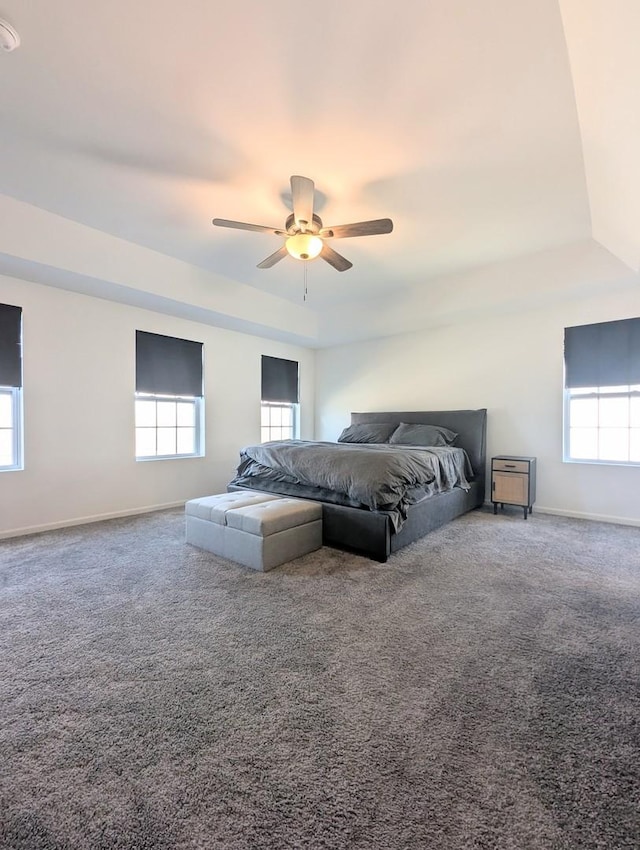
[601, 462]
[168, 457]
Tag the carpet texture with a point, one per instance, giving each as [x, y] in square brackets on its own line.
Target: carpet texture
[479, 690]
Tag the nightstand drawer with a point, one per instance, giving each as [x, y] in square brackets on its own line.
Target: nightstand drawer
[504, 465]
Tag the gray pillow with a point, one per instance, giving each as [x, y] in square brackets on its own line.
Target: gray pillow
[368, 432]
[422, 435]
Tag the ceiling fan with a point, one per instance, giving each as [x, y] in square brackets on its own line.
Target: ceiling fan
[305, 235]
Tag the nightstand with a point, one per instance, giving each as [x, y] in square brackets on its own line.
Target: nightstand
[513, 482]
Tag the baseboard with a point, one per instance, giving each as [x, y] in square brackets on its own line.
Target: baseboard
[67, 523]
[613, 520]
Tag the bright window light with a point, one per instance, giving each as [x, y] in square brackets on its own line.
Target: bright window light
[279, 421]
[602, 424]
[167, 427]
[10, 428]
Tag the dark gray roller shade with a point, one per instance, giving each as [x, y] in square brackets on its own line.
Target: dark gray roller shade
[10, 346]
[168, 366]
[606, 354]
[279, 379]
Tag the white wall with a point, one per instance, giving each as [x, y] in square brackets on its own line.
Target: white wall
[79, 382]
[511, 364]
[602, 44]
[46, 248]
[79, 371]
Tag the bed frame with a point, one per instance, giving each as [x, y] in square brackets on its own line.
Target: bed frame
[370, 533]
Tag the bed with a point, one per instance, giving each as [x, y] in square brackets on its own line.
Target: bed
[377, 531]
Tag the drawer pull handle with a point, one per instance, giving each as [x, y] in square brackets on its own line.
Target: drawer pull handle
[510, 466]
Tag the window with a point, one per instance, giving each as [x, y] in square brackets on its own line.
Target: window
[166, 426]
[10, 387]
[602, 392]
[169, 400]
[279, 416]
[278, 422]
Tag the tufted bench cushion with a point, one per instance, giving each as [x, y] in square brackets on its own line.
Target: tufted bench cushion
[259, 530]
[214, 508]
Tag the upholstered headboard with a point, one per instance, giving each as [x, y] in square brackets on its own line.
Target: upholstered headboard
[470, 425]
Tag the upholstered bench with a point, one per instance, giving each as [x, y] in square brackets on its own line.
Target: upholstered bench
[259, 530]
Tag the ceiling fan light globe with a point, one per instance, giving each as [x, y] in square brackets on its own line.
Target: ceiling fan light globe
[304, 246]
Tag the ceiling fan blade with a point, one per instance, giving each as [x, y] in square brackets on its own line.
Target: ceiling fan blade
[241, 225]
[302, 200]
[274, 258]
[359, 228]
[334, 259]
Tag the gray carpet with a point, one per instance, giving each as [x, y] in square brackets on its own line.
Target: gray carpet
[480, 690]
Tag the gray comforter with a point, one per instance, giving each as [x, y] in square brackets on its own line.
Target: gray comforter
[375, 476]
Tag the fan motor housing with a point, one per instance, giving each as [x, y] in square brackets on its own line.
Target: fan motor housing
[292, 227]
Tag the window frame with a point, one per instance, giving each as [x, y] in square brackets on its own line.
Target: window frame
[280, 390]
[198, 404]
[17, 437]
[169, 368]
[295, 412]
[632, 391]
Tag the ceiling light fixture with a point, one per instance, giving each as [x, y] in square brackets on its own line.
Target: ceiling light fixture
[9, 38]
[304, 246]
[305, 237]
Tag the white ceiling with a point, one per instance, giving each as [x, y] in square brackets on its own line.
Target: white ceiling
[456, 119]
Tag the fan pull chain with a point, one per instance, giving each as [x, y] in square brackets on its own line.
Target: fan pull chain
[304, 294]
